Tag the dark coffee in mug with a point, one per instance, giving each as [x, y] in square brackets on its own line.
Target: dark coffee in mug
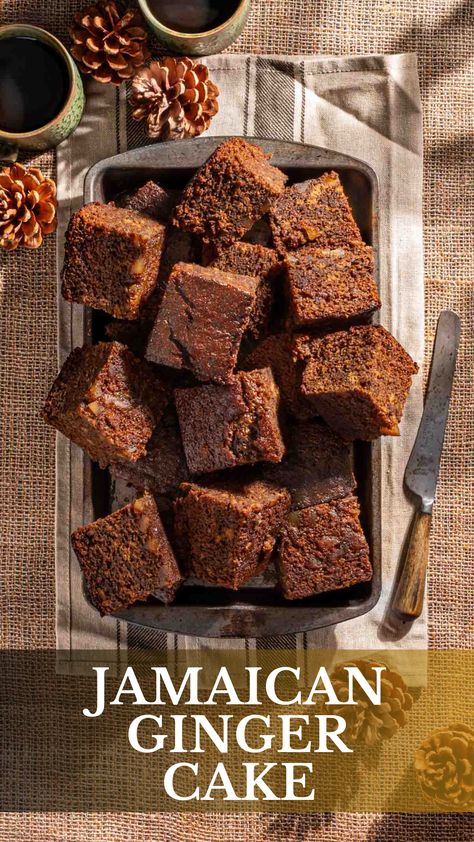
[34, 84]
[191, 16]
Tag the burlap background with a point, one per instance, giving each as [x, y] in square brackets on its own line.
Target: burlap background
[441, 32]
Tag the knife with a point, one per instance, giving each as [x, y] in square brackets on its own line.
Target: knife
[421, 472]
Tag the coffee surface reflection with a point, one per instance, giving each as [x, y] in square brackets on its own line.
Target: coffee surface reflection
[34, 84]
[192, 16]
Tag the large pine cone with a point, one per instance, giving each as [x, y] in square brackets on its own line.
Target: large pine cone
[108, 44]
[175, 97]
[444, 765]
[27, 207]
[366, 723]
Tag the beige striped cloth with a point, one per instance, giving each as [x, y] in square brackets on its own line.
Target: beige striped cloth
[367, 107]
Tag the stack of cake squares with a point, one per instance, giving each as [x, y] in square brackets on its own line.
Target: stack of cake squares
[241, 363]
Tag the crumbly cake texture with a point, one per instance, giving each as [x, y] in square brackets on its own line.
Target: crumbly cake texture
[126, 557]
[316, 212]
[316, 468]
[262, 263]
[330, 286]
[226, 530]
[358, 381]
[234, 188]
[106, 401]
[163, 467]
[226, 426]
[179, 246]
[201, 321]
[323, 548]
[285, 354]
[150, 199]
[112, 257]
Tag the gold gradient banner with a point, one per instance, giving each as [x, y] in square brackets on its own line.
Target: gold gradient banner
[274, 731]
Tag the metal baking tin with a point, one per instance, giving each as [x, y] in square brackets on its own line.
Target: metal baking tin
[251, 611]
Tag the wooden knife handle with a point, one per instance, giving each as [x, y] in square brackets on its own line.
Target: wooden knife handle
[408, 601]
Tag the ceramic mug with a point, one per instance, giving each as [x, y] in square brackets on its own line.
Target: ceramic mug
[198, 43]
[68, 117]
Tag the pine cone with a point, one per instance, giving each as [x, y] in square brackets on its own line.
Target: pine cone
[175, 97]
[27, 207]
[367, 723]
[108, 44]
[444, 765]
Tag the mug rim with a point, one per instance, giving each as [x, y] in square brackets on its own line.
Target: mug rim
[24, 28]
[148, 14]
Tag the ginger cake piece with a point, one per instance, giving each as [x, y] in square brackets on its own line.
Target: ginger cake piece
[323, 548]
[150, 198]
[179, 247]
[163, 467]
[285, 354]
[226, 426]
[317, 465]
[229, 193]
[358, 381]
[111, 260]
[313, 212]
[262, 263]
[226, 531]
[126, 557]
[106, 401]
[330, 286]
[201, 321]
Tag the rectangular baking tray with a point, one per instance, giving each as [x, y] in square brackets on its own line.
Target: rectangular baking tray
[257, 610]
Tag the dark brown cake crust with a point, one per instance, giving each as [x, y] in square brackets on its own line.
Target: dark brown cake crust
[106, 401]
[126, 557]
[226, 531]
[112, 257]
[316, 212]
[330, 286]
[323, 548]
[150, 199]
[233, 189]
[263, 263]
[201, 320]
[236, 424]
[317, 466]
[285, 354]
[358, 381]
[163, 467]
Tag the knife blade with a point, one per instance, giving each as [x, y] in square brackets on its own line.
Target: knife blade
[421, 472]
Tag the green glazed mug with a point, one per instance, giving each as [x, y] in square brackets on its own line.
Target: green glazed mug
[197, 43]
[67, 119]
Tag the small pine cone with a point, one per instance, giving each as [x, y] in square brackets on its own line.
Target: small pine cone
[175, 97]
[444, 766]
[366, 723]
[27, 207]
[109, 44]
